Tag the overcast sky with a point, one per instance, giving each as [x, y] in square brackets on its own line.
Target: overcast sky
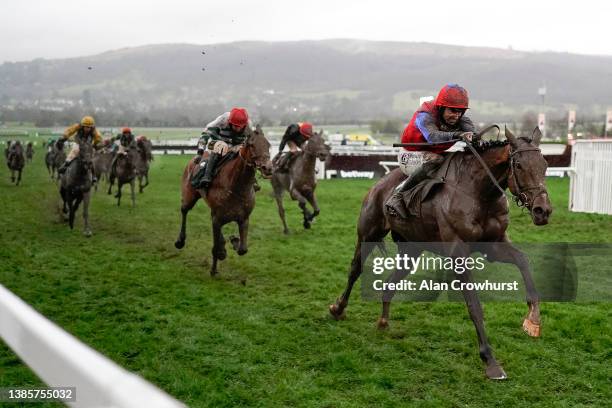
[69, 28]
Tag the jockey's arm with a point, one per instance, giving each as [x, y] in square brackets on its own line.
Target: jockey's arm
[97, 137]
[287, 136]
[71, 131]
[426, 124]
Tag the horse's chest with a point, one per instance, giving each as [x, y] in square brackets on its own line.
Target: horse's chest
[475, 221]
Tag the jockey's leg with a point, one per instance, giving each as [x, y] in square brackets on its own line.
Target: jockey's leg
[219, 149]
[418, 166]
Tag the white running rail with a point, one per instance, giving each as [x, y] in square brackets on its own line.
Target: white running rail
[61, 360]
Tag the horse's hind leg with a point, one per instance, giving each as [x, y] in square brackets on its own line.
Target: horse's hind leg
[86, 227]
[494, 370]
[18, 176]
[111, 181]
[118, 195]
[281, 210]
[507, 253]
[240, 245]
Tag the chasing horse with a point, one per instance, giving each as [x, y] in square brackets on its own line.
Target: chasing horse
[15, 161]
[295, 171]
[144, 157]
[226, 181]
[123, 165]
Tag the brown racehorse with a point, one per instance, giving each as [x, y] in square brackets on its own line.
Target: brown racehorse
[301, 180]
[125, 173]
[464, 210]
[231, 196]
[15, 161]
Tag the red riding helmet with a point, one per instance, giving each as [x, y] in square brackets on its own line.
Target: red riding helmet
[238, 117]
[126, 130]
[306, 129]
[453, 96]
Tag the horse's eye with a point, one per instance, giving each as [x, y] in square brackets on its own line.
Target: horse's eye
[518, 165]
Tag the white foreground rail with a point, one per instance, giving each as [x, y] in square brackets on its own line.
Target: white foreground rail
[61, 360]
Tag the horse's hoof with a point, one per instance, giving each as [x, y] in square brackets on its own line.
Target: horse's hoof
[87, 233]
[242, 251]
[306, 224]
[531, 328]
[334, 311]
[179, 244]
[495, 372]
[382, 323]
[213, 272]
[286, 232]
[235, 242]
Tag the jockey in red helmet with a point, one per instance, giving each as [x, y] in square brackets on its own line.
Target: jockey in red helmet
[294, 137]
[226, 131]
[435, 122]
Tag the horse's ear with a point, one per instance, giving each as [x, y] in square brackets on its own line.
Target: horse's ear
[536, 136]
[258, 128]
[510, 137]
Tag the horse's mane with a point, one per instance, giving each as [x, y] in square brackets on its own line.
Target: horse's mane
[485, 145]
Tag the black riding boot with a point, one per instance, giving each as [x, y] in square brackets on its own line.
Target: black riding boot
[208, 173]
[395, 205]
[64, 167]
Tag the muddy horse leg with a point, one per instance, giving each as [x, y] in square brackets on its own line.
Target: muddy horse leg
[281, 210]
[74, 205]
[240, 245]
[507, 253]
[86, 227]
[111, 181]
[218, 250]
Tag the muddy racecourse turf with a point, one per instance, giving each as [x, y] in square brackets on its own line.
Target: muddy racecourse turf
[259, 333]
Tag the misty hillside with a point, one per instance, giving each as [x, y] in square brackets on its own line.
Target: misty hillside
[324, 80]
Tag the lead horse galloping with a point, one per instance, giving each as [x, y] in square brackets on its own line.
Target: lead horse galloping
[469, 207]
[230, 196]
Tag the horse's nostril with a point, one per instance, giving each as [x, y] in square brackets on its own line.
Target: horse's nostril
[538, 211]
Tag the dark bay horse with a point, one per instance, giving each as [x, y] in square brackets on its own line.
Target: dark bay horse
[231, 196]
[125, 173]
[144, 157]
[465, 209]
[301, 180]
[29, 152]
[75, 186]
[15, 161]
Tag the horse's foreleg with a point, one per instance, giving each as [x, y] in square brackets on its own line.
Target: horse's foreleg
[111, 181]
[240, 245]
[507, 253]
[133, 192]
[302, 204]
[86, 227]
[118, 195]
[218, 249]
[494, 370]
[312, 199]
[18, 176]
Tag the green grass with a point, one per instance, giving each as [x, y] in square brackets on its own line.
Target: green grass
[259, 333]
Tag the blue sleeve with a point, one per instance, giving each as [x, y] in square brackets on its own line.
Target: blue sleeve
[427, 126]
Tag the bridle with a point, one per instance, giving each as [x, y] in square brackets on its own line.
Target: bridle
[254, 162]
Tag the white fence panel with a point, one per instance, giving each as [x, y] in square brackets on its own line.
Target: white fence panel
[591, 184]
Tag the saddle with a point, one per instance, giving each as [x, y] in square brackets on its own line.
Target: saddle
[198, 173]
[283, 163]
[413, 199]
